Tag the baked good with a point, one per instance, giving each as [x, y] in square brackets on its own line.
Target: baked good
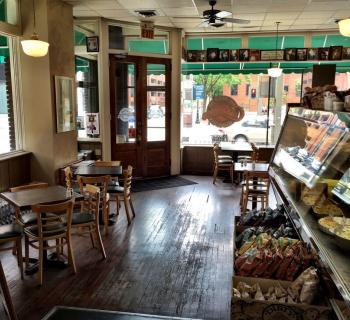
[327, 207]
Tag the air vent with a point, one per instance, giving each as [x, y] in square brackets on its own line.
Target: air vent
[146, 13]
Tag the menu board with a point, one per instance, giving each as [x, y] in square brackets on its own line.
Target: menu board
[342, 189]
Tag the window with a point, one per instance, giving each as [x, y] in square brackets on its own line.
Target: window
[8, 11]
[8, 115]
[286, 88]
[234, 89]
[247, 87]
[87, 93]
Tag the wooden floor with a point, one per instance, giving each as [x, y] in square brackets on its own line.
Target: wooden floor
[175, 259]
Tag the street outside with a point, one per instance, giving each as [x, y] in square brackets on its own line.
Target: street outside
[4, 134]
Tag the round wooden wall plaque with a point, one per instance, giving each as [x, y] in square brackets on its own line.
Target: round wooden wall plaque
[223, 111]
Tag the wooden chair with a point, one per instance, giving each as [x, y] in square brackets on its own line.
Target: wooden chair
[255, 189]
[13, 233]
[221, 164]
[88, 217]
[124, 194]
[102, 183]
[222, 156]
[56, 226]
[6, 297]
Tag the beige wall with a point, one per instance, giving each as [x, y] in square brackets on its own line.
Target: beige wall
[50, 150]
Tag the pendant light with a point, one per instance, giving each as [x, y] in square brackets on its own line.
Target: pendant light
[344, 27]
[34, 47]
[275, 72]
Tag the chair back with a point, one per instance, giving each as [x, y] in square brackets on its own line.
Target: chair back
[254, 177]
[216, 150]
[68, 173]
[91, 202]
[115, 163]
[255, 154]
[101, 182]
[58, 223]
[127, 175]
[35, 185]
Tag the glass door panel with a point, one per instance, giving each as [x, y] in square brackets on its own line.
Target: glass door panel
[125, 103]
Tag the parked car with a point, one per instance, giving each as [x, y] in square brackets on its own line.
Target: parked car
[155, 111]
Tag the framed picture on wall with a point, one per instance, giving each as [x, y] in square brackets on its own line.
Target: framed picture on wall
[224, 55]
[92, 44]
[290, 54]
[201, 55]
[346, 53]
[234, 55]
[254, 55]
[312, 54]
[323, 53]
[243, 54]
[191, 55]
[213, 54]
[65, 104]
[335, 53]
[301, 54]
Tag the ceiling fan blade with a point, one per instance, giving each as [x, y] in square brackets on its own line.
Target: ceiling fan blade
[235, 20]
[223, 14]
[204, 24]
[187, 17]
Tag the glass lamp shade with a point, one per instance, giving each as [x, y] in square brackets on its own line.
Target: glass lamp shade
[344, 27]
[34, 47]
[274, 72]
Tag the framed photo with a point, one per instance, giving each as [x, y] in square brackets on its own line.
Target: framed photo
[335, 53]
[254, 55]
[244, 54]
[65, 104]
[312, 54]
[346, 53]
[323, 53]
[213, 54]
[224, 55]
[290, 54]
[92, 44]
[191, 55]
[92, 123]
[201, 55]
[268, 55]
[234, 55]
[301, 54]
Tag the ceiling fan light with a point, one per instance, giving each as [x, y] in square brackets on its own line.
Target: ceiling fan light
[274, 72]
[344, 27]
[35, 47]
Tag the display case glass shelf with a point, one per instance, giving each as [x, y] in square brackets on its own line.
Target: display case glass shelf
[310, 170]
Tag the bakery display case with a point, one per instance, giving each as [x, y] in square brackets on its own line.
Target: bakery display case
[310, 173]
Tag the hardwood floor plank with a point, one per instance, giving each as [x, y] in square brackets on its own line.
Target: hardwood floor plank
[175, 259]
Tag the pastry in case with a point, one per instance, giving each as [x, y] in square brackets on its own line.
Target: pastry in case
[327, 208]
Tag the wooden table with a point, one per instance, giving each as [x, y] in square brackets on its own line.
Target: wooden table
[26, 198]
[94, 171]
[23, 200]
[252, 167]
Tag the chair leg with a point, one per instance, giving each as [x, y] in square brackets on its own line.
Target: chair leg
[19, 256]
[99, 240]
[231, 173]
[105, 219]
[126, 205]
[71, 260]
[40, 262]
[26, 251]
[92, 236]
[215, 174]
[132, 208]
[118, 204]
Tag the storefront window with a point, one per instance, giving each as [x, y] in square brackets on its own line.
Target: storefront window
[250, 91]
[9, 11]
[7, 113]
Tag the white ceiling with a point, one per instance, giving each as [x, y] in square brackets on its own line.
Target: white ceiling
[293, 14]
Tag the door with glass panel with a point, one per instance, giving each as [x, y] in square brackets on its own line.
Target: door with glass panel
[140, 114]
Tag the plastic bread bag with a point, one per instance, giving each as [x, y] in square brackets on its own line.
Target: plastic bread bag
[236, 293]
[244, 236]
[280, 291]
[309, 275]
[308, 291]
[258, 293]
[244, 289]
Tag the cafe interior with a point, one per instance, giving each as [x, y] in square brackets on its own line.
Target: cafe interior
[183, 159]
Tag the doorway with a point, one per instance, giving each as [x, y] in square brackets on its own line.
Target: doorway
[140, 114]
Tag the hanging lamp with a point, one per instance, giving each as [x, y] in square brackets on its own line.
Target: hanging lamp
[344, 27]
[275, 72]
[34, 47]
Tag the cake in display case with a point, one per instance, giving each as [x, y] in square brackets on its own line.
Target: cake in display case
[310, 171]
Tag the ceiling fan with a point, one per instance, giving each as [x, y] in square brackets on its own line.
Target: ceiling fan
[217, 18]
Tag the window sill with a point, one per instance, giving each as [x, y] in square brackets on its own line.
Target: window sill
[13, 154]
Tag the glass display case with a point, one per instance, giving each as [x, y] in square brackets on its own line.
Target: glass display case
[310, 171]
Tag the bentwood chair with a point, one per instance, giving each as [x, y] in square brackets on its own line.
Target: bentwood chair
[221, 164]
[9, 308]
[56, 226]
[124, 194]
[255, 189]
[222, 156]
[13, 233]
[88, 217]
[102, 183]
[115, 163]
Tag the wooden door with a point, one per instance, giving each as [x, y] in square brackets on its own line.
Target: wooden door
[140, 114]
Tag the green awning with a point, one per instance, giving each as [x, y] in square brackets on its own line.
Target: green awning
[319, 41]
[156, 69]
[221, 43]
[81, 64]
[79, 38]
[149, 46]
